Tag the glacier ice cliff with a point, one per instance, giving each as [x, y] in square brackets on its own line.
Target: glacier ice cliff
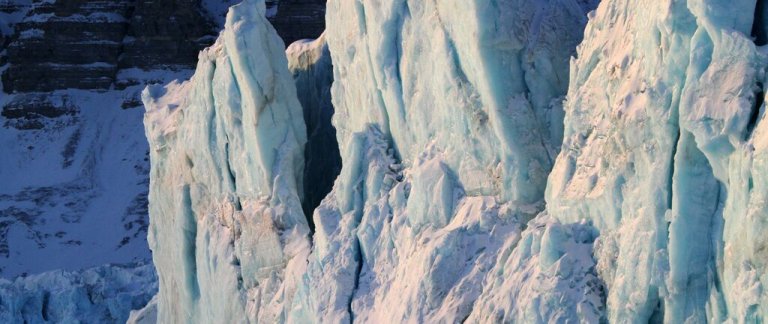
[103, 294]
[662, 153]
[448, 118]
[492, 170]
[227, 230]
[310, 63]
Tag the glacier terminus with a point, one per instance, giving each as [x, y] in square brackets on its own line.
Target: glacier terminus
[445, 161]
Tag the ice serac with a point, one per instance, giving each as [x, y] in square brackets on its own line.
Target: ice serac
[227, 231]
[664, 154]
[104, 294]
[448, 119]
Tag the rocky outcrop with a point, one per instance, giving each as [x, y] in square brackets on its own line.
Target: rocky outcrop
[299, 19]
[83, 43]
[48, 45]
[166, 33]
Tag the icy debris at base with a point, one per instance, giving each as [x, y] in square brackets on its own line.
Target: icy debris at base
[227, 231]
[548, 275]
[370, 265]
[103, 294]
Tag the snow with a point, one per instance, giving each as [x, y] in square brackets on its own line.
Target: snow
[547, 275]
[83, 170]
[9, 17]
[32, 33]
[101, 294]
[73, 196]
[228, 234]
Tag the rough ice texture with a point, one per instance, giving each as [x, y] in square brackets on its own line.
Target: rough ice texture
[448, 119]
[663, 153]
[228, 234]
[105, 294]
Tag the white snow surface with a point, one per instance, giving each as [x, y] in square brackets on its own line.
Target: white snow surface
[85, 170]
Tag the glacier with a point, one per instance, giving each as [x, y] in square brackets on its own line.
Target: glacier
[227, 231]
[661, 154]
[310, 63]
[500, 161]
[447, 117]
[103, 294]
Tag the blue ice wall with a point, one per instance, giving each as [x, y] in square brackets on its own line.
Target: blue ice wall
[227, 231]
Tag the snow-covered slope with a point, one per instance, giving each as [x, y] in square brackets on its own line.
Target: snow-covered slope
[74, 187]
[228, 234]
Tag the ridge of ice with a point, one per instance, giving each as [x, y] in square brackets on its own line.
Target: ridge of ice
[447, 119]
[100, 294]
[228, 234]
[448, 122]
[658, 154]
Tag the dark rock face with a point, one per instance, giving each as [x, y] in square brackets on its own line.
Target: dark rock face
[83, 43]
[299, 19]
[27, 111]
[166, 33]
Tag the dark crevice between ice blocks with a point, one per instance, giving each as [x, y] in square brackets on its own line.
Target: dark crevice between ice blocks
[759, 28]
[758, 100]
[321, 153]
